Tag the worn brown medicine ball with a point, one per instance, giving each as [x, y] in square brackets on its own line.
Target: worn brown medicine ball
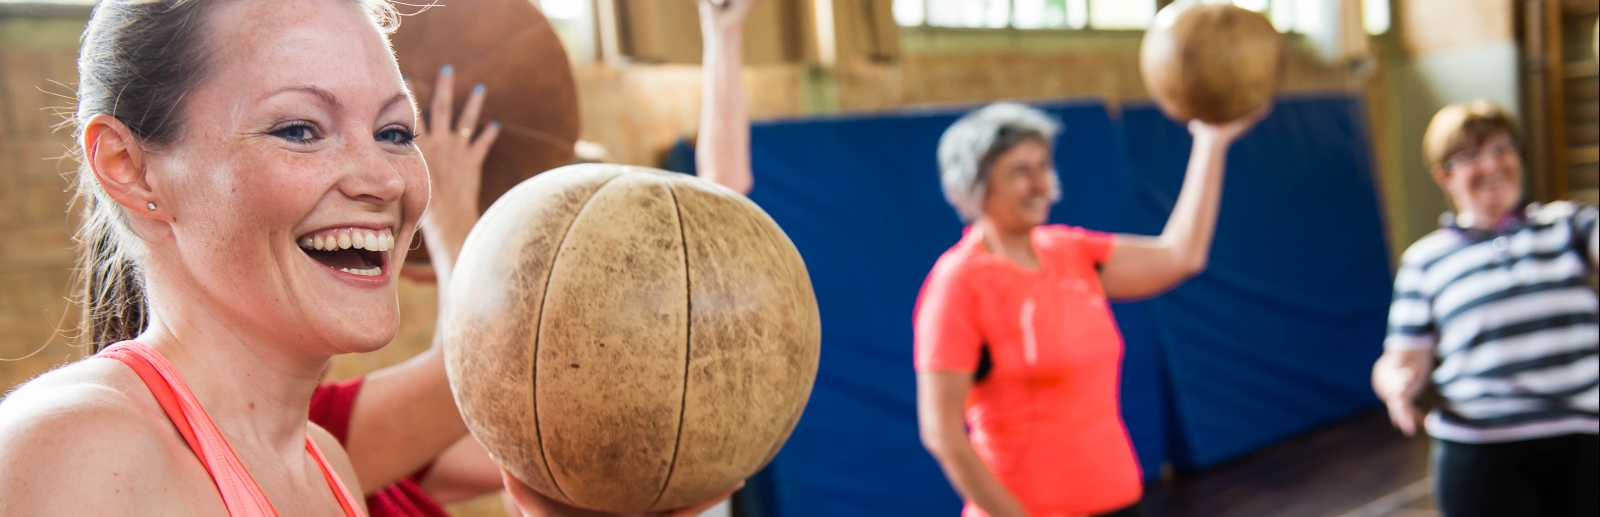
[1212, 62]
[626, 339]
[509, 47]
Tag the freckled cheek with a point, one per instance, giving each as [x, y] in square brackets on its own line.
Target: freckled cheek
[281, 194]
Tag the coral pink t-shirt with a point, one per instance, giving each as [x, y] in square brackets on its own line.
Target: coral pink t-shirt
[1045, 419]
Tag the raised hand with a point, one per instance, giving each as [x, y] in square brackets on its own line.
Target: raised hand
[717, 17]
[1225, 133]
[455, 155]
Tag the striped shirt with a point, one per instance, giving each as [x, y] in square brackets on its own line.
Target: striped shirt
[1512, 322]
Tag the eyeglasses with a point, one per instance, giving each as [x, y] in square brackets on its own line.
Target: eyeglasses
[1471, 156]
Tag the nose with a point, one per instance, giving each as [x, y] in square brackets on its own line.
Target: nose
[1039, 184]
[372, 174]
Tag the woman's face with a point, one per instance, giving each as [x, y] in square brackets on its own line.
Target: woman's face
[1484, 180]
[299, 138]
[1021, 186]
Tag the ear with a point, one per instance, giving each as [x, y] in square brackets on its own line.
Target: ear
[114, 155]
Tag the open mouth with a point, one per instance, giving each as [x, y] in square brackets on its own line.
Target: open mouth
[357, 251]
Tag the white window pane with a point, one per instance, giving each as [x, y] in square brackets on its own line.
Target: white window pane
[945, 13]
[1029, 14]
[972, 13]
[1375, 16]
[562, 9]
[1259, 6]
[997, 13]
[1121, 14]
[1309, 15]
[1283, 15]
[1077, 14]
[1055, 14]
[909, 12]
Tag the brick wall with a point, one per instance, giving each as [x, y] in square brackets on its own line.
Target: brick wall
[35, 227]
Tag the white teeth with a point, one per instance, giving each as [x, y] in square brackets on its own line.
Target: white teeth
[373, 271]
[380, 240]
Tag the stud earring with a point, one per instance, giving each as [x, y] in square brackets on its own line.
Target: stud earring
[151, 205]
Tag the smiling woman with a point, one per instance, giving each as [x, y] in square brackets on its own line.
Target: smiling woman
[253, 173]
[217, 138]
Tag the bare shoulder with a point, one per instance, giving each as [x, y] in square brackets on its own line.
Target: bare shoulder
[79, 440]
[337, 458]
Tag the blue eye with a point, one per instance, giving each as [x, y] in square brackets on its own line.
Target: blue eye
[395, 135]
[298, 132]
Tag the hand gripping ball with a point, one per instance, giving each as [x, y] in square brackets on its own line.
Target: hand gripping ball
[1212, 62]
[626, 339]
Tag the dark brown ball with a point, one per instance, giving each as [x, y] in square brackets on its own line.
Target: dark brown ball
[626, 339]
[510, 48]
[1212, 62]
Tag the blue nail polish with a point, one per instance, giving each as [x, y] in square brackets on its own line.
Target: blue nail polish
[495, 123]
[478, 89]
[446, 70]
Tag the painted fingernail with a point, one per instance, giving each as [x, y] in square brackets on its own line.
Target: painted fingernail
[495, 124]
[447, 70]
[478, 89]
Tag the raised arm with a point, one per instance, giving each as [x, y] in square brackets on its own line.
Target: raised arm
[1142, 266]
[722, 153]
[941, 397]
[405, 415]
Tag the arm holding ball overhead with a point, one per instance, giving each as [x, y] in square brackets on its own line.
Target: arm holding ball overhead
[1142, 266]
[723, 156]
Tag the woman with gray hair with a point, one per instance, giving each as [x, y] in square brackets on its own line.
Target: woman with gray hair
[1014, 337]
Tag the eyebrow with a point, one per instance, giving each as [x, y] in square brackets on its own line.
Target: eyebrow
[399, 97]
[328, 97]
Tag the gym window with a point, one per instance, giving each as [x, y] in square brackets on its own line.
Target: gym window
[1026, 14]
[1287, 15]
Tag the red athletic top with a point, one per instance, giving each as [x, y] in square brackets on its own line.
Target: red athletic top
[331, 405]
[240, 494]
[1045, 419]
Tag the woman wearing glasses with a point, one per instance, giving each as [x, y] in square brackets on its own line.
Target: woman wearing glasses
[1494, 312]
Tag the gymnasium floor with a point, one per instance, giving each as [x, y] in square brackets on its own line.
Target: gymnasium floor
[1360, 467]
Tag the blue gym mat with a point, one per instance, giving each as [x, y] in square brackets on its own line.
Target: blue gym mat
[1274, 339]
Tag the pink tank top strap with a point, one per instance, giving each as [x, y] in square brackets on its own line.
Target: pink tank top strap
[240, 493]
[347, 501]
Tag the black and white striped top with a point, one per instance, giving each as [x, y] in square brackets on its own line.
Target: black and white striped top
[1513, 324]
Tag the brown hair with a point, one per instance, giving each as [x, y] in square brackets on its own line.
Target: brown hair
[1465, 125]
[138, 60]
